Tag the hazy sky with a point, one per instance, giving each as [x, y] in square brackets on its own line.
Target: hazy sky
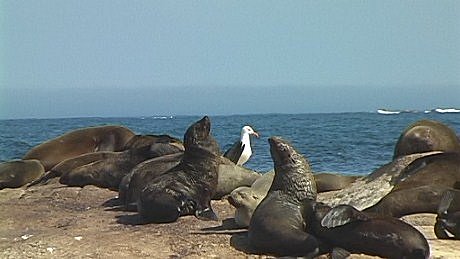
[139, 58]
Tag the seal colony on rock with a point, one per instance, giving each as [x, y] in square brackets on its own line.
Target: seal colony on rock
[78, 142]
[240, 152]
[277, 226]
[187, 188]
[106, 168]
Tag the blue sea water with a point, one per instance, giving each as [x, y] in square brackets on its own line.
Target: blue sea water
[348, 143]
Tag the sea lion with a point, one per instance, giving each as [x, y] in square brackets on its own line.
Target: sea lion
[246, 199]
[426, 135]
[155, 147]
[72, 163]
[108, 172]
[16, 173]
[326, 182]
[230, 177]
[357, 232]
[187, 188]
[142, 174]
[448, 218]
[78, 142]
[277, 226]
[368, 190]
[138, 141]
[420, 187]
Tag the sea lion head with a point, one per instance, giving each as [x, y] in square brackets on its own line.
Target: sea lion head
[424, 136]
[199, 135]
[292, 171]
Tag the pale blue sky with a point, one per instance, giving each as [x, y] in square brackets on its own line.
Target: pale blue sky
[139, 58]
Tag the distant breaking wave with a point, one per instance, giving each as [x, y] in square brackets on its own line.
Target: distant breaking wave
[158, 117]
[448, 110]
[437, 110]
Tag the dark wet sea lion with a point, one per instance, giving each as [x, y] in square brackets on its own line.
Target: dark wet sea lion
[419, 189]
[108, 172]
[187, 188]
[426, 135]
[357, 232]
[78, 142]
[277, 226]
[230, 176]
[448, 219]
[16, 173]
[142, 174]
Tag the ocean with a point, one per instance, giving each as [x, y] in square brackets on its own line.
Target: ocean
[346, 143]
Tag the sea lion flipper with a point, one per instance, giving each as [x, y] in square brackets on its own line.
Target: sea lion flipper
[341, 215]
[440, 231]
[206, 214]
[446, 200]
[45, 178]
[339, 253]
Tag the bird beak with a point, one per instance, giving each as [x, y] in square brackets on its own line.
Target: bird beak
[256, 134]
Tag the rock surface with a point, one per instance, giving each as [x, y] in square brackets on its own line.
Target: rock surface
[55, 221]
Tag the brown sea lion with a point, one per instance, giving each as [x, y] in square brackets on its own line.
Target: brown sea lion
[72, 163]
[368, 190]
[326, 182]
[277, 226]
[357, 232]
[16, 173]
[149, 146]
[187, 188]
[424, 136]
[78, 142]
[232, 176]
[138, 141]
[420, 187]
[108, 172]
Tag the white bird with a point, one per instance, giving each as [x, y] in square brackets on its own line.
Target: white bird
[240, 151]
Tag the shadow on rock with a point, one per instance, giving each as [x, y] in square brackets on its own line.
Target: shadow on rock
[114, 202]
[227, 224]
